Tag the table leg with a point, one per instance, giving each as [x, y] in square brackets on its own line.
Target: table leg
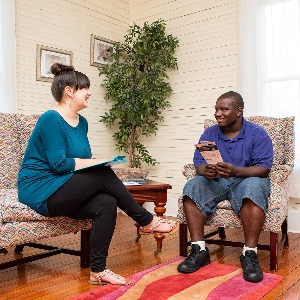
[159, 238]
[159, 209]
[138, 234]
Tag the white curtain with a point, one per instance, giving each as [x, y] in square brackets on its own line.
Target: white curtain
[269, 62]
[8, 99]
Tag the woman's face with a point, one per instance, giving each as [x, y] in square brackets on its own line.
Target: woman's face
[81, 97]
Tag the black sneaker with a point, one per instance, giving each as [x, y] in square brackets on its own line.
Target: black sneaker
[197, 258]
[251, 268]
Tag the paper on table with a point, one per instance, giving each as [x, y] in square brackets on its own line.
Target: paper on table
[131, 183]
[116, 160]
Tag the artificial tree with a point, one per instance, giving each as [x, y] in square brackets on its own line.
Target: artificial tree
[136, 84]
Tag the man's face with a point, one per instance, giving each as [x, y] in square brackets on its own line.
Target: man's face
[227, 112]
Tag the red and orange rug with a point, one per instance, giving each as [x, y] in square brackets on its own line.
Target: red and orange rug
[212, 282]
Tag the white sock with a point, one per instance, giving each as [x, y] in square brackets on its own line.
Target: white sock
[247, 248]
[201, 244]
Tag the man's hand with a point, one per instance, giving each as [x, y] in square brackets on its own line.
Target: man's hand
[209, 172]
[225, 170]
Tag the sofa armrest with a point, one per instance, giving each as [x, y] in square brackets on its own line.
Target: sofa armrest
[189, 171]
[279, 196]
[280, 173]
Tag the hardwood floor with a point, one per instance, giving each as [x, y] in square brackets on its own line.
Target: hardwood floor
[60, 277]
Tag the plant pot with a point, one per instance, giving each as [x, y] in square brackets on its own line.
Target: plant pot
[131, 174]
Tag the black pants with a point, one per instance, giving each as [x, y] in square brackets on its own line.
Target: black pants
[95, 193]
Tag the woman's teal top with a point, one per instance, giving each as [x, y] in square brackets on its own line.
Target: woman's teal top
[49, 158]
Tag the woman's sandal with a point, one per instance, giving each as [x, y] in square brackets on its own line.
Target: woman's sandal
[152, 229]
[111, 278]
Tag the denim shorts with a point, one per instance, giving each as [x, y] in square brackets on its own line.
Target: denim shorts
[208, 193]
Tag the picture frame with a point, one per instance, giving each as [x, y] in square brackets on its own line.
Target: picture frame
[101, 50]
[46, 57]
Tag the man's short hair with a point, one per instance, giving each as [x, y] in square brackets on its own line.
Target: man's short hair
[236, 97]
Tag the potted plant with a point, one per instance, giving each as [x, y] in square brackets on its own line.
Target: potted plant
[136, 84]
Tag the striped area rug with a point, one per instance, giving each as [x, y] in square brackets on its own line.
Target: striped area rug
[212, 282]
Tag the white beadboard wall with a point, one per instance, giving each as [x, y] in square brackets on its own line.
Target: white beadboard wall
[67, 25]
[207, 66]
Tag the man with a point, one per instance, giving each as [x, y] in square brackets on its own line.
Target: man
[242, 178]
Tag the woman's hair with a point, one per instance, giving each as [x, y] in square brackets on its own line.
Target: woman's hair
[66, 76]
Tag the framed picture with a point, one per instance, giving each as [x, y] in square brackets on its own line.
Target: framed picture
[101, 50]
[46, 57]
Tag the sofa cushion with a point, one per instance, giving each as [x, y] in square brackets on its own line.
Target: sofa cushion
[20, 224]
[17, 233]
[15, 130]
[9, 151]
[12, 210]
[25, 125]
[280, 131]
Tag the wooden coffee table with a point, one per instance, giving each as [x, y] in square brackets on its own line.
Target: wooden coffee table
[151, 191]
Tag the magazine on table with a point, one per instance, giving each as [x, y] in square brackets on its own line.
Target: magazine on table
[209, 151]
[116, 160]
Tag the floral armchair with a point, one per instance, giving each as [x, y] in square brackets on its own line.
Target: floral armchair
[281, 131]
[19, 225]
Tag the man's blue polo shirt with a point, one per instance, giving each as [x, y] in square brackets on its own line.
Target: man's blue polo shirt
[251, 147]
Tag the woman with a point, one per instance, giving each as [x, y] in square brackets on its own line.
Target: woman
[49, 182]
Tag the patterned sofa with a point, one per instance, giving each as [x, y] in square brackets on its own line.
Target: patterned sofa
[281, 131]
[19, 225]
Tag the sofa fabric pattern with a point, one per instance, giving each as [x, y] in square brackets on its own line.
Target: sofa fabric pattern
[25, 125]
[281, 132]
[17, 233]
[9, 151]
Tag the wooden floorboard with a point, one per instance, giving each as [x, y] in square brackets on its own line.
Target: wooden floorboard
[60, 276]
